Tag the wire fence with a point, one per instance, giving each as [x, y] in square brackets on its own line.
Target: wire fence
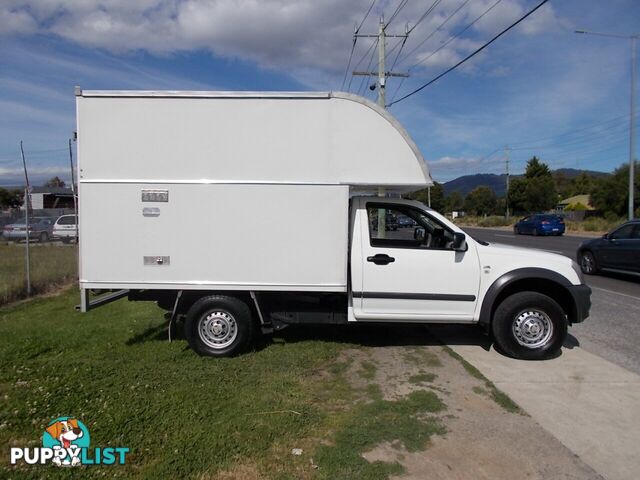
[50, 259]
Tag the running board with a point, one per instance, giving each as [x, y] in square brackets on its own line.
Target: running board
[86, 304]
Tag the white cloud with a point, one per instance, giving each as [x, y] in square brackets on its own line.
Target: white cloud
[298, 34]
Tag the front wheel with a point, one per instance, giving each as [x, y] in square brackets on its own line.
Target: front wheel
[218, 326]
[529, 326]
[588, 263]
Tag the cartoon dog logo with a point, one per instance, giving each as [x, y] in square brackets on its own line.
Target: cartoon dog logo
[66, 432]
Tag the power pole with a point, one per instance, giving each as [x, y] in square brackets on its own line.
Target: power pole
[381, 85]
[27, 195]
[506, 196]
[382, 74]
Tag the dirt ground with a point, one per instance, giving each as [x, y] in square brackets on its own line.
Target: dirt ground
[486, 438]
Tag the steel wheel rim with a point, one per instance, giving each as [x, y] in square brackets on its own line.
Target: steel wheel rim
[218, 329]
[587, 263]
[532, 329]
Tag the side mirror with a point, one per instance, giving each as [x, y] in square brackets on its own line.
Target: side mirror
[605, 236]
[459, 242]
[418, 234]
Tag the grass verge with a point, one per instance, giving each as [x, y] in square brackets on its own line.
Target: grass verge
[51, 266]
[184, 416]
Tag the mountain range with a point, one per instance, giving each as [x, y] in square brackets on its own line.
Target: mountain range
[465, 184]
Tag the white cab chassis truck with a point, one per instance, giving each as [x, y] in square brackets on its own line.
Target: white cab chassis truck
[241, 212]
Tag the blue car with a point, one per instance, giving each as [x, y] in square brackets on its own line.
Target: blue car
[540, 224]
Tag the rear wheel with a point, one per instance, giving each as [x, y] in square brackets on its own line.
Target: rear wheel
[588, 263]
[516, 230]
[218, 326]
[529, 326]
[44, 237]
[535, 231]
[65, 240]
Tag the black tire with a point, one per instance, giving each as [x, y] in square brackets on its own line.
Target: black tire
[44, 237]
[535, 232]
[588, 262]
[544, 311]
[516, 231]
[65, 240]
[224, 313]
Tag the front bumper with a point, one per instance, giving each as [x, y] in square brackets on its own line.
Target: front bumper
[581, 295]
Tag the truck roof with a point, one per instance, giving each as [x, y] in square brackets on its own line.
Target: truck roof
[325, 138]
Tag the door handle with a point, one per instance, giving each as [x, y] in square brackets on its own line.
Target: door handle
[381, 259]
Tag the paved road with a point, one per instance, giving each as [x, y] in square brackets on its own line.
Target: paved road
[613, 329]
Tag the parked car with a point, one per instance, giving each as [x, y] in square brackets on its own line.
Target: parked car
[617, 251]
[65, 228]
[405, 222]
[540, 224]
[40, 228]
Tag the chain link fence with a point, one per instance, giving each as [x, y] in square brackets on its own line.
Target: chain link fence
[52, 252]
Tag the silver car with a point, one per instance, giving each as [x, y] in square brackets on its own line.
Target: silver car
[40, 228]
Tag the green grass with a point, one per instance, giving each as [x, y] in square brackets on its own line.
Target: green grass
[421, 357]
[367, 370]
[51, 266]
[497, 395]
[405, 421]
[422, 378]
[185, 416]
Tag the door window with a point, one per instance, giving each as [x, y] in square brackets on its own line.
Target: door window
[385, 231]
[623, 232]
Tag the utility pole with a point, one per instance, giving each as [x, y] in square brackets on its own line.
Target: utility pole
[382, 74]
[381, 85]
[506, 196]
[632, 111]
[27, 194]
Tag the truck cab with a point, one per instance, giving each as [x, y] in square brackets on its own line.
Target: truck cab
[435, 273]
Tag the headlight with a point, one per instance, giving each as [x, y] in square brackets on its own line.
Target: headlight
[578, 270]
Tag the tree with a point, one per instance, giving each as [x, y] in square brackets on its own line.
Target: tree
[10, 198]
[536, 169]
[481, 201]
[611, 194]
[582, 184]
[538, 193]
[517, 189]
[454, 202]
[437, 196]
[54, 182]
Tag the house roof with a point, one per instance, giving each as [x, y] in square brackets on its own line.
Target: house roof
[584, 199]
[52, 190]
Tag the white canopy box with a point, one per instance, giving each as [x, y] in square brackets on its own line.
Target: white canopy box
[228, 190]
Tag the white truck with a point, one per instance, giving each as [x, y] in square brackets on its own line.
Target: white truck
[241, 212]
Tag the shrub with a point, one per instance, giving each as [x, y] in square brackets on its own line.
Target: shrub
[494, 221]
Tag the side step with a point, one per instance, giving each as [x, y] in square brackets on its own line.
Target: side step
[86, 304]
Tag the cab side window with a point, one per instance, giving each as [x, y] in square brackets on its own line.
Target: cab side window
[423, 232]
[623, 233]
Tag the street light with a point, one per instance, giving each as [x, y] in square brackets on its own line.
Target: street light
[632, 111]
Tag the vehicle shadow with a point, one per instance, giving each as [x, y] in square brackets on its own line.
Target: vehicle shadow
[381, 335]
[363, 335]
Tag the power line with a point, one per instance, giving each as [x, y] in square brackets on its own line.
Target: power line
[346, 72]
[571, 132]
[371, 47]
[471, 55]
[453, 14]
[394, 14]
[373, 51]
[453, 37]
[424, 15]
[365, 16]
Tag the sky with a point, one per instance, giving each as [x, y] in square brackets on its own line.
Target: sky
[541, 89]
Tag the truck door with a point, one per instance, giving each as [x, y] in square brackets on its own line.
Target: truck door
[412, 273]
